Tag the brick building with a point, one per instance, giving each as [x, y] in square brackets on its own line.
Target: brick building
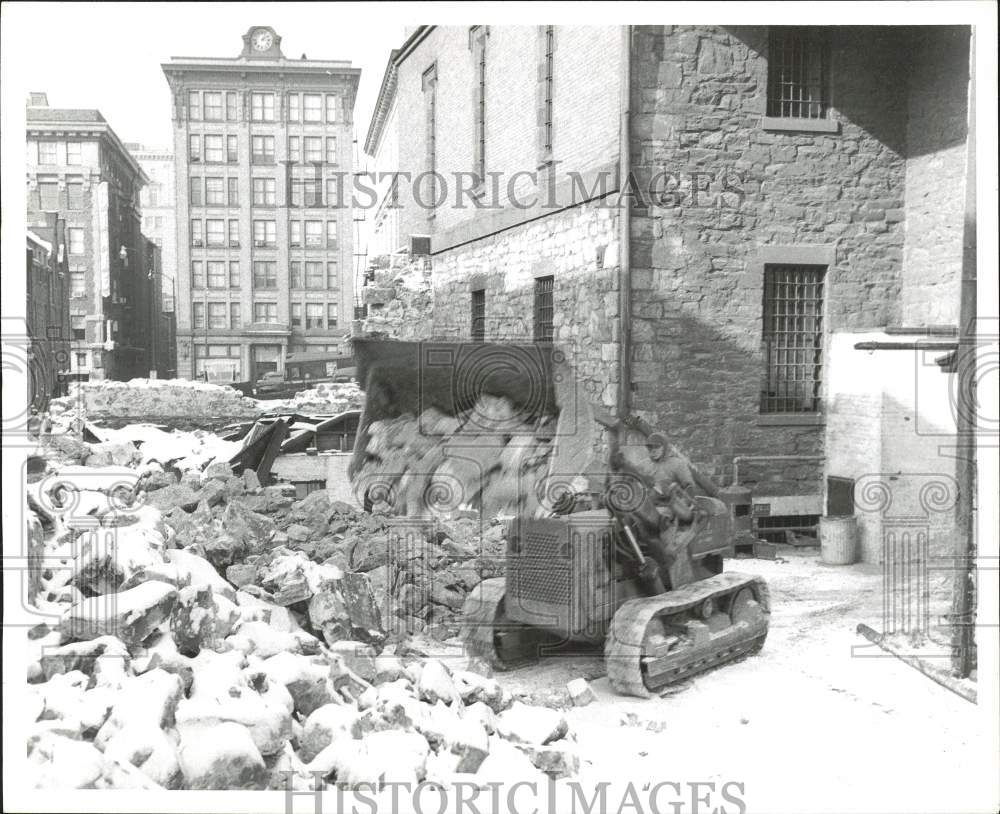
[263, 149]
[709, 220]
[159, 202]
[77, 167]
[48, 324]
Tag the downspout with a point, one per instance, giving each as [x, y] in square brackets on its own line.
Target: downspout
[624, 226]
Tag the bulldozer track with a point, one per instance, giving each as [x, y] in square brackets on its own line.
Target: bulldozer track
[625, 645]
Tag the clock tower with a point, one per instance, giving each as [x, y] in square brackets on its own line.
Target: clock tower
[261, 42]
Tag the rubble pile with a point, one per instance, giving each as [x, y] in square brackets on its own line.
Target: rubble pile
[489, 460]
[206, 632]
[326, 398]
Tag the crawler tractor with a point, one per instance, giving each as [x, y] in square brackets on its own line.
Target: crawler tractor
[633, 561]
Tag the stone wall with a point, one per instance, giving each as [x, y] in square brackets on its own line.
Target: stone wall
[935, 175]
[399, 299]
[698, 99]
[579, 248]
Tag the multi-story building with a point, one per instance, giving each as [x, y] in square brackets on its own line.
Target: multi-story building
[159, 203]
[48, 323]
[707, 220]
[77, 167]
[264, 159]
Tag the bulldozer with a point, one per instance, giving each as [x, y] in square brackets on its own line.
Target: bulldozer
[627, 551]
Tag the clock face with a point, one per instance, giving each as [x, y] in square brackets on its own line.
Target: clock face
[262, 40]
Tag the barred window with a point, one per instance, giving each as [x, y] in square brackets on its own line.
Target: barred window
[792, 339]
[479, 315]
[544, 309]
[798, 68]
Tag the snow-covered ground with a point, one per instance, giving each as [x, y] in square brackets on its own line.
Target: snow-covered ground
[807, 725]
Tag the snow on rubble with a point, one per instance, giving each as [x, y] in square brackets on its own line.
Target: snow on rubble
[208, 632]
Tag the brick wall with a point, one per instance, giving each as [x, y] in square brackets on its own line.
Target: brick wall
[698, 99]
[935, 175]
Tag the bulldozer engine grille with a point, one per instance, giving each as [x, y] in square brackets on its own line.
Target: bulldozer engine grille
[541, 572]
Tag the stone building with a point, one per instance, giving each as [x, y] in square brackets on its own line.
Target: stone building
[77, 167]
[708, 220]
[47, 314]
[159, 203]
[263, 153]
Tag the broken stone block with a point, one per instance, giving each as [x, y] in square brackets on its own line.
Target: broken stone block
[213, 493]
[324, 725]
[194, 620]
[328, 612]
[173, 497]
[369, 551]
[151, 698]
[297, 533]
[366, 621]
[474, 687]
[150, 750]
[556, 761]
[218, 469]
[506, 764]
[358, 657]
[195, 570]
[112, 453]
[435, 683]
[580, 692]
[481, 713]
[532, 725]
[388, 668]
[468, 739]
[241, 573]
[130, 615]
[250, 480]
[158, 479]
[307, 680]
[263, 641]
[220, 755]
[82, 656]
[222, 548]
[58, 762]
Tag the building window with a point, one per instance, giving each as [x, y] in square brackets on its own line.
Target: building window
[295, 233]
[314, 315]
[314, 274]
[197, 315]
[216, 315]
[194, 105]
[264, 192]
[216, 273]
[547, 75]
[232, 150]
[231, 106]
[295, 274]
[331, 108]
[47, 152]
[792, 338]
[214, 195]
[265, 274]
[213, 106]
[78, 283]
[265, 312]
[479, 315]
[314, 234]
[262, 107]
[48, 196]
[197, 274]
[75, 237]
[195, 195]
[798, 72]
[234, 316]
[293, 107]
[543, 309]
[331, 149]
[263, 149]
[78, 324]
[213, 149]
[233, 196]
[295, 314]
[197, 235]
[234, 273]
[331, 234]
[194, 148]
[74, 153]
[294, 154]
[312, 107]
[234, 234]
[332, 275]
[215, 232]
[332, 192]
[74, 195]
[313, 149]
[264, 233]
[331, 314]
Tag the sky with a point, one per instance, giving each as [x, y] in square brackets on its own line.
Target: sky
[108, 55]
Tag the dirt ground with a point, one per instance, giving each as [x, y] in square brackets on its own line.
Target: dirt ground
[818, 721]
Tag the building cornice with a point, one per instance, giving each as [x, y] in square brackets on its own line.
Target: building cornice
[97, 129]
[386, 95]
